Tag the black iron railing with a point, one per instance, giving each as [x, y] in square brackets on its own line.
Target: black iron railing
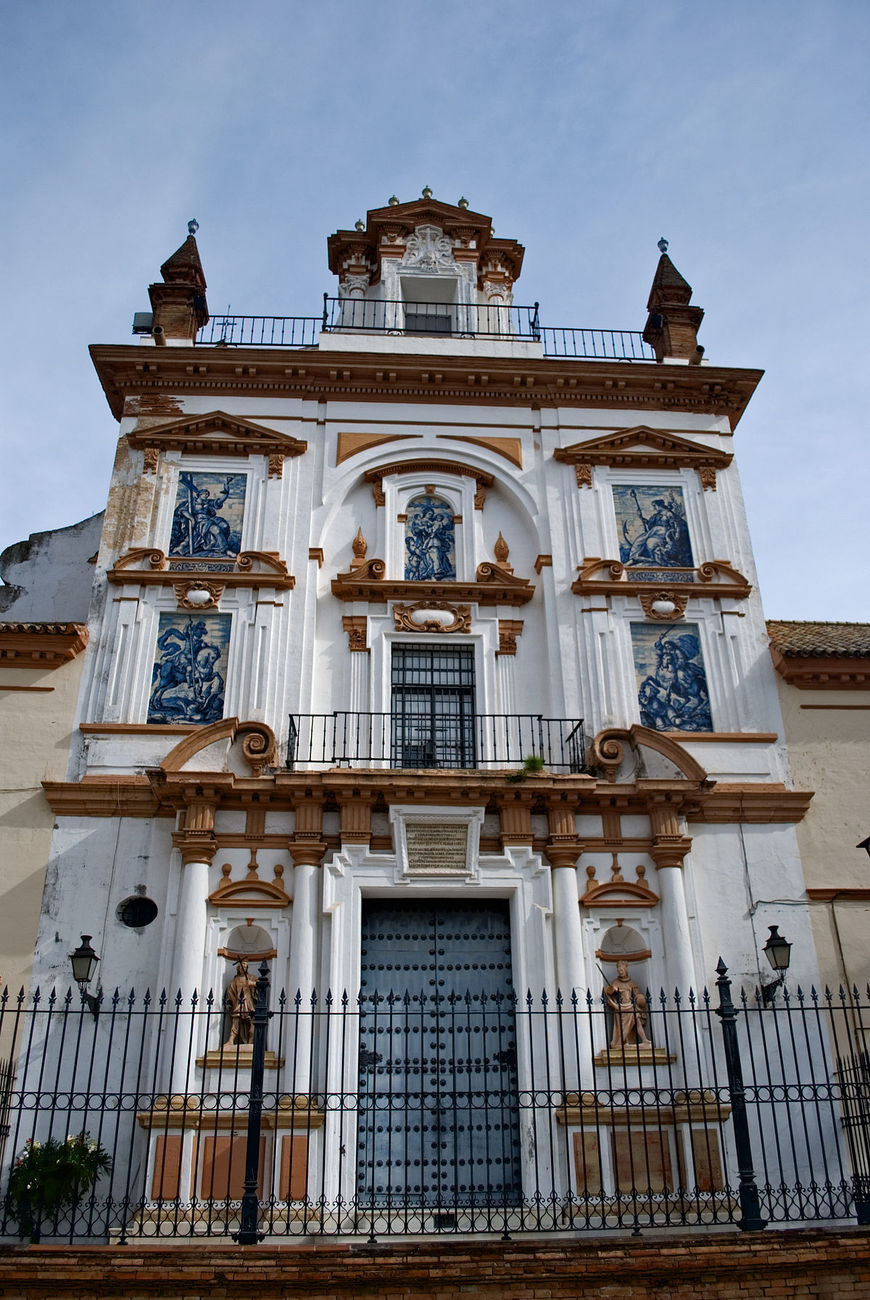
[375, 1115]
[446, 320]
[403, 739]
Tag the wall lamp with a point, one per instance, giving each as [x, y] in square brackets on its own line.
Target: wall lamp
[777, 950]
[84, 967]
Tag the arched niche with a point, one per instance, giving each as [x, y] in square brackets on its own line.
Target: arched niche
[430, 539]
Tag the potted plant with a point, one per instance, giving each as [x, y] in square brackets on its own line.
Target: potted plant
[51, 1177]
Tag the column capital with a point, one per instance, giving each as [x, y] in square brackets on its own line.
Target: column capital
[670, 850]
[563, 850]
[196, 838]
[307, 852]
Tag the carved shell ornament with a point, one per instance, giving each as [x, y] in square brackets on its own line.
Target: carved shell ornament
[432, 616]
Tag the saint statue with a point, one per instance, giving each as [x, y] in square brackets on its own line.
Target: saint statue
[241, 1001]
[629, 1010]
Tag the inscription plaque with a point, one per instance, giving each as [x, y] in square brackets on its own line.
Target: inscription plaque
[437, 850]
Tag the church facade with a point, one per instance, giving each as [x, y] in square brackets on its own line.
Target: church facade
[426, 661]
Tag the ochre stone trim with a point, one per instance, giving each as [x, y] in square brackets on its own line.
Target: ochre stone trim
[722, 737]
[216, 434]
[138, 728]
[643, 448]
[613, 578]
[149, 566]
[405, 620]
[41, 645]
[823, 672]
[351, 444]
[608, 751]
[834, 895]
[429, 467]
[510, 448]
[543, 562]
[163, 794]
[494, 586]
[509, 629]
[547, 382]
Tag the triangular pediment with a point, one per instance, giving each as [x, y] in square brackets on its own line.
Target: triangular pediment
[216, 434]
[643, 447]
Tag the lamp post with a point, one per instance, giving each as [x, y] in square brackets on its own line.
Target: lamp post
[777, 950]
[84, 966]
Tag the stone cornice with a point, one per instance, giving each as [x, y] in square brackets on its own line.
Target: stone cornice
[164, 794]
[494, 585]
[319, 375]
[823, 672]
[41, 645]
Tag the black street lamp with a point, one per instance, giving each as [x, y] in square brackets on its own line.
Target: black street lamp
[84, 967]
[777, 950]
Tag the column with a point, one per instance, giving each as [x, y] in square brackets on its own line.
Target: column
[669, 848]
[197, 844]
[563, 850]
[307, 850]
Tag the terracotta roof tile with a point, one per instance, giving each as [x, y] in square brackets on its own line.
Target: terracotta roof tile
[812, 640]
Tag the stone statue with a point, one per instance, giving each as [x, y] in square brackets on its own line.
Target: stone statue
[241, 1002]
[630, 1010]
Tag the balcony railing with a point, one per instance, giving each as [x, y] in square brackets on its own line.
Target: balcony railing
[425, 319]
[484, 741]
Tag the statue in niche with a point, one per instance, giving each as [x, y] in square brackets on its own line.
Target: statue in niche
[430, 540]
[629, 1007]
[241, 1001]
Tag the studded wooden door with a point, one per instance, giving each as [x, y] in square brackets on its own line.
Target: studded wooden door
[438, 1122]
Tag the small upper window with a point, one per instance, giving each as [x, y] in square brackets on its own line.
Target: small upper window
[430, 540]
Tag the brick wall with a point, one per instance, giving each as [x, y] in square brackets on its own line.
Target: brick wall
[715, 1266]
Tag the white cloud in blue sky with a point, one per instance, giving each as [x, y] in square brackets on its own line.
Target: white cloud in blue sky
[586, 130]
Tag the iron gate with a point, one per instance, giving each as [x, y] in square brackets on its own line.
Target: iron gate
[438, 1103]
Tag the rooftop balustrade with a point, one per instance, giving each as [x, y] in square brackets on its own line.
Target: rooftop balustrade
[425, 320]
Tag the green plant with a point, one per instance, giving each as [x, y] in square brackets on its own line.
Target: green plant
[52, 1176]
[530, 766]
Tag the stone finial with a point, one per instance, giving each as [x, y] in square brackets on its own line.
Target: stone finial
[393, 201]
[501, 551]
[673, 323]
[463, 203]
[427, 193]
[360, 547]
[359, 224]
[179, 304]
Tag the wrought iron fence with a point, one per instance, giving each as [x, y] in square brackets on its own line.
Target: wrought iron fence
[433, 739]
[446, 320]
[377, 1115]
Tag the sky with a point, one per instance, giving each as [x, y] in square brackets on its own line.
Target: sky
[586, 129]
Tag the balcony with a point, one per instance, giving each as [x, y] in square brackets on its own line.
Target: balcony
[348, 316]
[445, 741]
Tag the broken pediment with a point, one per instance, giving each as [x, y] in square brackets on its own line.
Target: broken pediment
[643, 448]
[216, 434]
[613, 578]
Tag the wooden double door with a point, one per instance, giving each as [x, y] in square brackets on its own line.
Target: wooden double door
[438, 1104]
